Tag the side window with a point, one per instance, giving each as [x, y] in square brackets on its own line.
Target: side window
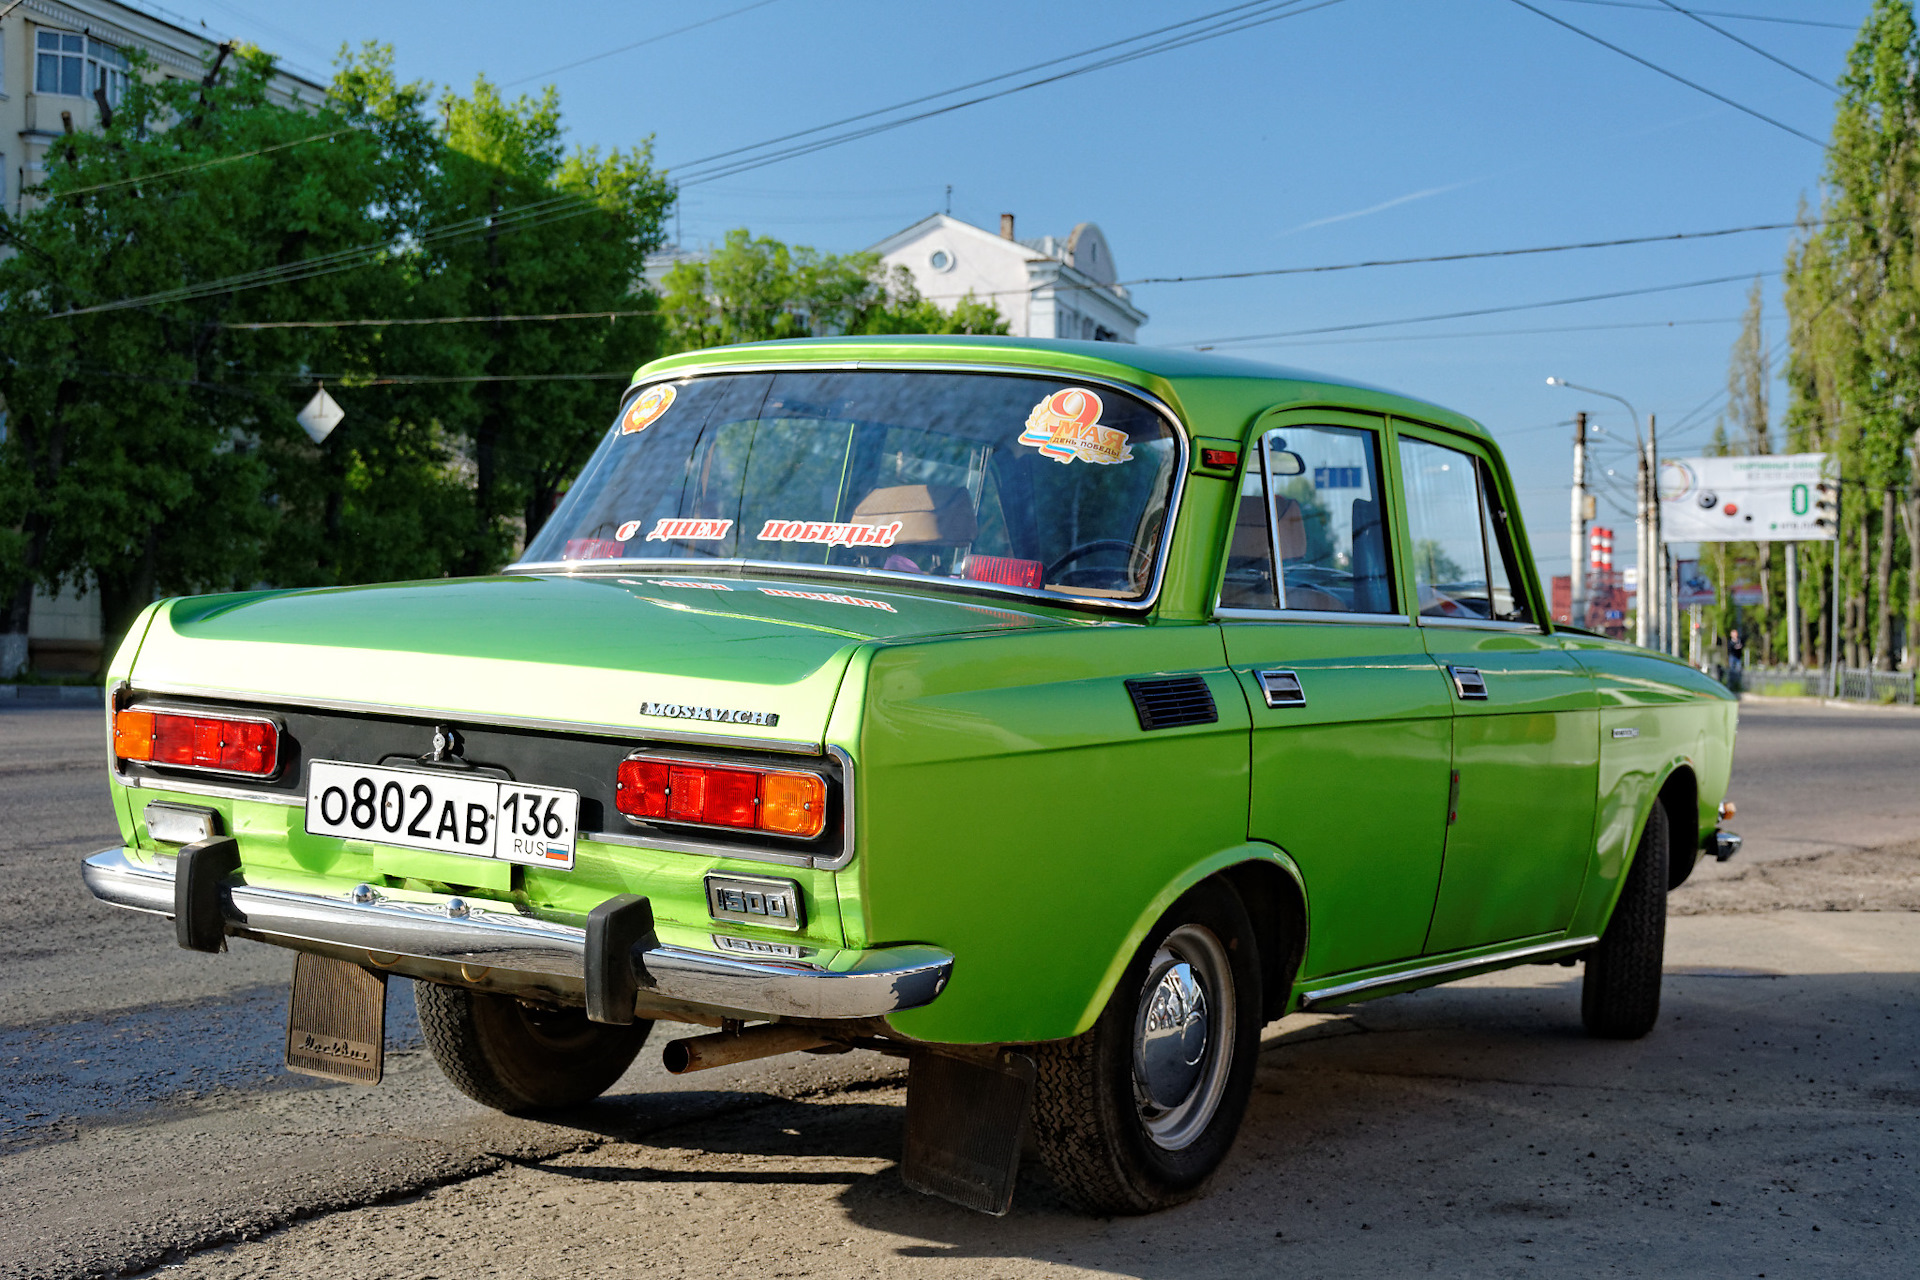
[1309, 531]
[1503, 565]
[1463, 561]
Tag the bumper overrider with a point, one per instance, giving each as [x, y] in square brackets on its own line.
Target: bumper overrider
[492, 946]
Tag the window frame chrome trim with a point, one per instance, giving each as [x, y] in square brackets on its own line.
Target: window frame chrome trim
[1230, 613]
[1182, 435]
[1480, 624]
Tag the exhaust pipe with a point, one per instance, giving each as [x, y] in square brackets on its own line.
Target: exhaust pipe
[697, 1053]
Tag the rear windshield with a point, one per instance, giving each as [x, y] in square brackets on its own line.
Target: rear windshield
[1012, 481]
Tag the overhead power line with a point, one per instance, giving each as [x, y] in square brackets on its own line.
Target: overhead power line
[625, 48]
[559, 208]
[1262, 15]
[1671, 75]
[1749, 45]
[206, 164]
[1211, 343]
[1722, 13]
[1402, 262]
[350, 324]
[976, 84]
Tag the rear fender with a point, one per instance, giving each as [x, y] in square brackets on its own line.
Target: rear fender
[1611, 863]
[1224, 862]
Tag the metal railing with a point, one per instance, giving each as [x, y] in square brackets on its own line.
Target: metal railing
[1888, 688]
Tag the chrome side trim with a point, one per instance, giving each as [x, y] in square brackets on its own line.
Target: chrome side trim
[185, 786]
[1182, 434]
[492, 936]
[787, 746]
[1447, 970]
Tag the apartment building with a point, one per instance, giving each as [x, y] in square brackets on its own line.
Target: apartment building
[61, 61]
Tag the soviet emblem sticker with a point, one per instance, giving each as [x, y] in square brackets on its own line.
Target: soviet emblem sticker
[1066, 425]
[647, 407]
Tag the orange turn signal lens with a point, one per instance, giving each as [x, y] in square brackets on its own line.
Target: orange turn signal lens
[793, 804]
[786, 804]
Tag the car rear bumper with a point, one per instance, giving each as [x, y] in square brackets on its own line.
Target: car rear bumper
[491, 946]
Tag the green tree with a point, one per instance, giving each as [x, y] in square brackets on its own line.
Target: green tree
[1853, 296]
[563, 232]
[752, 288]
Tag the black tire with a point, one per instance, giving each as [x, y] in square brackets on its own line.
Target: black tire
[1620, 998]
[522, 1058]
[1093, 1121]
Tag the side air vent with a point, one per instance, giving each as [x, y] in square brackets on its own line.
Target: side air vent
[1172, 702]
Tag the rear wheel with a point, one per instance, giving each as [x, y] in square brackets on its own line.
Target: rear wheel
[1620, 998]
[517, 1057]
[1138, 1112]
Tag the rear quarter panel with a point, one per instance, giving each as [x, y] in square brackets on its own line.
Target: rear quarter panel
[1683, 720]
[1012, 810]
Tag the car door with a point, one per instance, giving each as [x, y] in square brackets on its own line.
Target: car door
[1351, 719]
[1526, 720]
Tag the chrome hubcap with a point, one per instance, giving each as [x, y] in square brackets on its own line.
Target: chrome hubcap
[1183, 1037]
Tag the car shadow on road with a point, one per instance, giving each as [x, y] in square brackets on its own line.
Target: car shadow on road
[1474, 1124]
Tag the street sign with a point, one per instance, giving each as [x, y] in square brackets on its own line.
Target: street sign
[1767, 497]
[320, 416]
[1695, 586]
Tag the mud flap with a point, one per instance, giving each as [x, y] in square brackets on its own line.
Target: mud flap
[336, 1020]
[965, 1118]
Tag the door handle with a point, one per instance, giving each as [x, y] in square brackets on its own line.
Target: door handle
[1469, 683]
[1282, 688]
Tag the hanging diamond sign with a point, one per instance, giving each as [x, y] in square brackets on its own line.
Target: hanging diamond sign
[320, 416]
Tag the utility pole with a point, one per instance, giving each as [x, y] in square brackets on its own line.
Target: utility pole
[1643, 608]
[1663, 618]
[1793, 604]
[1577, 565]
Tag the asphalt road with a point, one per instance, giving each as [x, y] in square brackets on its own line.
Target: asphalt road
[1767, 1127]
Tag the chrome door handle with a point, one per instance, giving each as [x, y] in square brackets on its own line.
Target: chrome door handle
[1469, 683]
[1282, 688]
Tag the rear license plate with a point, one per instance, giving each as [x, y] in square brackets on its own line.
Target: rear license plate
[443, 813]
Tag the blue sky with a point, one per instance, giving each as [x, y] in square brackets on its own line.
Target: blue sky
[1364, 129]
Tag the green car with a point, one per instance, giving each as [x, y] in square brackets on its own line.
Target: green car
[1053, 715]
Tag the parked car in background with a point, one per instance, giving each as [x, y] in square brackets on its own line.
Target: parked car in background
[1054, 715]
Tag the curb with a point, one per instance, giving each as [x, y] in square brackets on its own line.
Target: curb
[1844, 704]
[44, 695]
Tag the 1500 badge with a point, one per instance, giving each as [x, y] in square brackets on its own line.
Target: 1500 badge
[718, 715]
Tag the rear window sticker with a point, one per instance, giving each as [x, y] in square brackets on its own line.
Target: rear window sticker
[689, 582]
[831, 533]
[1066, 425]
[626, 531]
[830, 597]
[646, 407]
[682, 529]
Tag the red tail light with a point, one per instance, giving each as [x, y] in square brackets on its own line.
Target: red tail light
[773, 800]
[1003, 570]
[223, 743]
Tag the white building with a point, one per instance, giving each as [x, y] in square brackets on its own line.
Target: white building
[1046, 288]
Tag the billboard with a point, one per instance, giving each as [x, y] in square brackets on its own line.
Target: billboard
[1694, 587]
[1767, 497]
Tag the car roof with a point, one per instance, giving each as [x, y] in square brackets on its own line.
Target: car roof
[1174, 375]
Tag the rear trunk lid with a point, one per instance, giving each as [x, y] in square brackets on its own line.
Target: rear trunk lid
[756, 658]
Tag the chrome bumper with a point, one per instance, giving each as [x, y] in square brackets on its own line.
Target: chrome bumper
[495, 948]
